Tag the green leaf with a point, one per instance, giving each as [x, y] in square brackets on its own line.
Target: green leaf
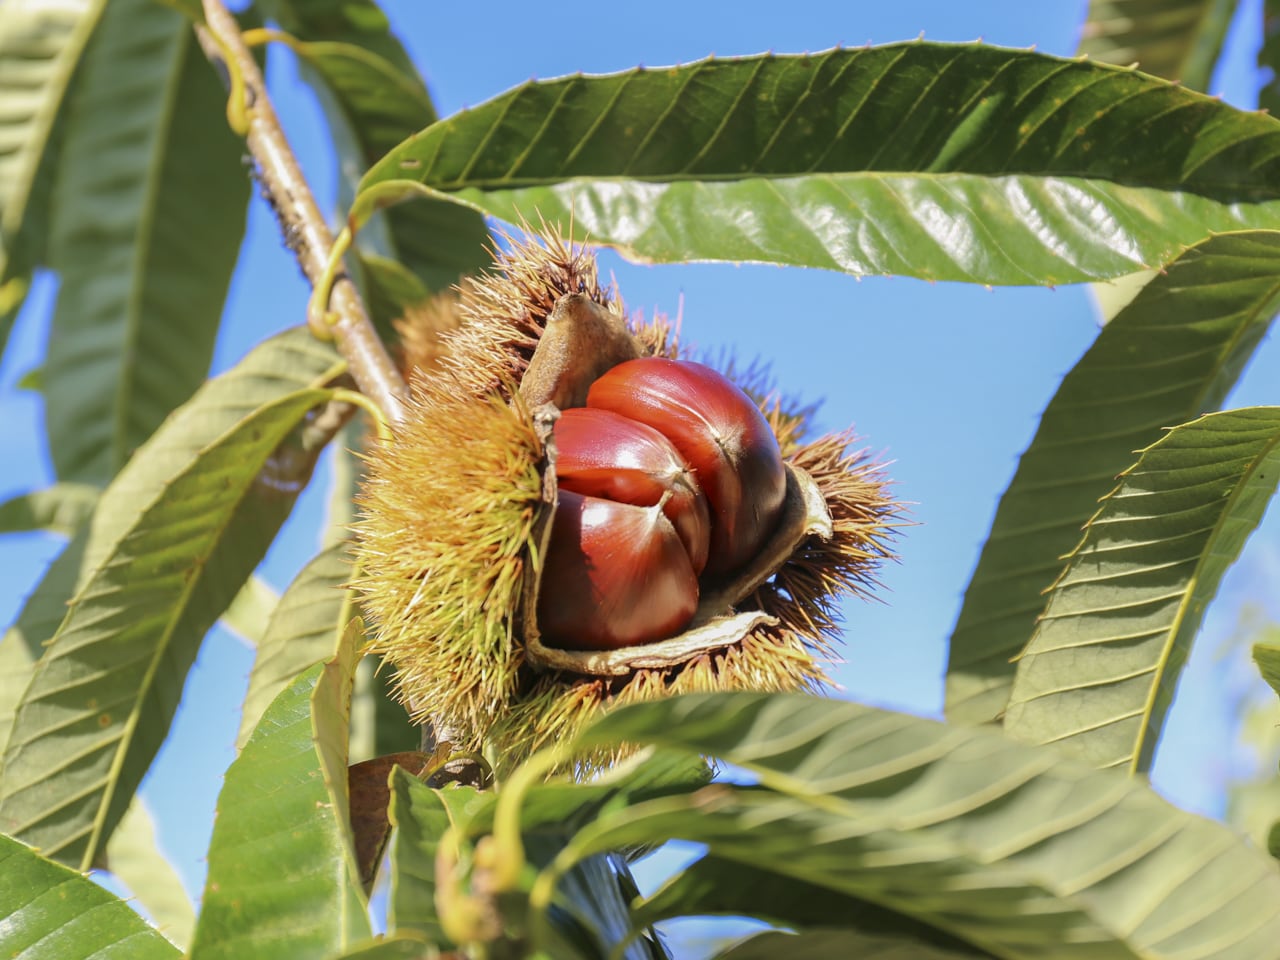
[1172, 354]
[304, 629]
[1018, 850]
[136, 861]
[1267, 657]
[24, 641]
[101, 697]
[144, 269]
[830, 945]
[387, 286]
[420, 816]
[713, 886]
[251, 610]
[1269, 57]
[1101, 668]
[1175, 39]
[374, 98]
[379, 725]
[40, 45]
[946, 162]
[401, 947]
[594, 895]
[282, 878]
[61, 508]
[288, 362]
[590, 916]
[281, 365]
[50, 911]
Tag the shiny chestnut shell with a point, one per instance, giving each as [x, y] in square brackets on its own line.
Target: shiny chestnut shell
[720, 433]
[615, 575]
[602, 454]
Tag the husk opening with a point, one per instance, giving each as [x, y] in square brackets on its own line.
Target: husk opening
[516, 346]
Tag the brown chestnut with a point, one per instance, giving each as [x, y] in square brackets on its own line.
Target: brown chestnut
[720, 433]
[602, 454]
[615, 575]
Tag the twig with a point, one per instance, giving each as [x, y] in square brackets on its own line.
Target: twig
[304, 229]
[306, 233]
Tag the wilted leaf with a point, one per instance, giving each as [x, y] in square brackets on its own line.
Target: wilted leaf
[1171, 355]
[370, 796]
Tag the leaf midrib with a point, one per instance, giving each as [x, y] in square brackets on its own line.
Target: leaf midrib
[1221, 192]
[142, 248]
[1193, 584]
[583, 844]
[43, 119]
[174, 616]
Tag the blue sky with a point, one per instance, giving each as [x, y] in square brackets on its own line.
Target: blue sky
[946, 380]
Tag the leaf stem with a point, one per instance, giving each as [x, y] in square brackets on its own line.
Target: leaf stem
[301, 223]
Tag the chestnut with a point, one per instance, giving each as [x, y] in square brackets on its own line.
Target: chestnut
[602, 454]
[614, 575]
[720, 433]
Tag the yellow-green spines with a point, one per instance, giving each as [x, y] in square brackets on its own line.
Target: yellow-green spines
[447, 520]
[454, 502]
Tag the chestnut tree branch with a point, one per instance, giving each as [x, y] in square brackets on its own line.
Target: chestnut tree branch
[301, 223]
[308, 236]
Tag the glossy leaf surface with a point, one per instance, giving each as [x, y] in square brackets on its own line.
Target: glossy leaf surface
[1100, 671]
[51, 911]
[946, 162]
[1171, 355]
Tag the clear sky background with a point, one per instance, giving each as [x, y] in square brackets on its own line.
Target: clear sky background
[947, 380]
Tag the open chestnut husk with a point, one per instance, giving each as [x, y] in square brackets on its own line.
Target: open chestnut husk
[574, 516]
